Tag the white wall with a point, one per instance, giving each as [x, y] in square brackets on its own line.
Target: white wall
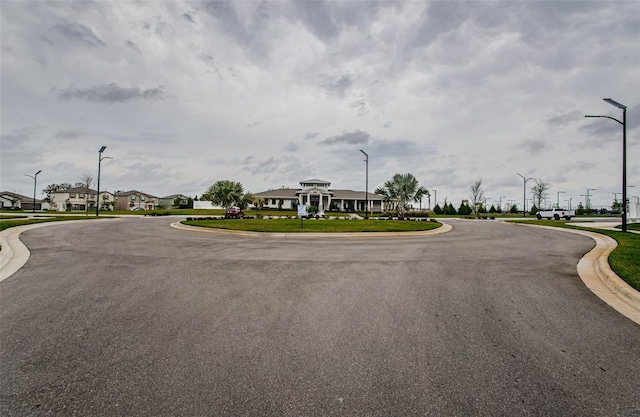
[205, 205]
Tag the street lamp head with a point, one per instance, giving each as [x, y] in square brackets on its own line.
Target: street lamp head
[38, 172]
[365, 154]
[615, 103]
[102, 149]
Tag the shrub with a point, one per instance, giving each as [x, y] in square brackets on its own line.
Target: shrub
[417, 214]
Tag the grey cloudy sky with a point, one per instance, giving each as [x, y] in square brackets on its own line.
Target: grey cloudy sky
[186, 93]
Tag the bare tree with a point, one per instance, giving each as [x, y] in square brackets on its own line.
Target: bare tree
[86, 181]
[539, 191]
[477, 195]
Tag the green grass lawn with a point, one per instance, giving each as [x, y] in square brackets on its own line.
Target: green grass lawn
[624, 260]
[5, 224]
[325, 226]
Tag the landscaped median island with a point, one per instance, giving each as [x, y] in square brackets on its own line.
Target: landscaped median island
[625, 258]
[315, 226]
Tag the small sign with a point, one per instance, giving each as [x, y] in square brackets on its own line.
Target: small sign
[302, 210]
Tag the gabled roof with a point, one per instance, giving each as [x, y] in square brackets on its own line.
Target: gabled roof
[81, 189]
[289, 193]
[315, 181]
[172, 196]
[134, 192]
[19, 196]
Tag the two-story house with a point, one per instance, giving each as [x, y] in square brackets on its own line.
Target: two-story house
[79, 198]
[135, 200]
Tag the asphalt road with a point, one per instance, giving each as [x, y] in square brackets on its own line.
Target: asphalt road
[134, 318]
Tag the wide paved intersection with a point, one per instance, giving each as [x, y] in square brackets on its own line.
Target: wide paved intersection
[132, 317]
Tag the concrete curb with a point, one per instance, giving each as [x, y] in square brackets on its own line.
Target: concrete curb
[596, 273]
[442, 229]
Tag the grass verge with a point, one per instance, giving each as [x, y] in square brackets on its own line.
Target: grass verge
[624, 260]
[21, 222]
[322, 226]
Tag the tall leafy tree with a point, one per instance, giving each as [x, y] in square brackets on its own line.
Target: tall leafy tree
[402, 190]
[227, 193]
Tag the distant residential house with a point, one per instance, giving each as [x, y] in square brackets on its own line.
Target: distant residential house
[80, 199]
[135, 200]
[170, 201]
[14, 201]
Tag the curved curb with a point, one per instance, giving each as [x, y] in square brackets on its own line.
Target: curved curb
[442, 229]
[596, 274]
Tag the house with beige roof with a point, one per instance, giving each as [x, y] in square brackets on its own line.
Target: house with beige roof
[316, 192]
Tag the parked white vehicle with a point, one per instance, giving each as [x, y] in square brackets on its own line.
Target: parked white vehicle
[555, 214]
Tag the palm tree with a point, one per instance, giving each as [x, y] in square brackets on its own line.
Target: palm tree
[387, 198]
[225, 193]
[402, 189]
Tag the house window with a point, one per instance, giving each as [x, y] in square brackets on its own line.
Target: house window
[142, 198]
[72, 195]
[80, 195]
[133, 198]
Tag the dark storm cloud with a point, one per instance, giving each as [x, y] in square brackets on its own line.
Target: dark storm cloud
[112, 93]
[351, 138]
[78, 32]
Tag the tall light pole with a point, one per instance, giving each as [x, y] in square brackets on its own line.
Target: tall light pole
[435, 198]
[100, 158]
[34, 176]
[558, 198]
[624, 155]
[366, 187]
[524, 188]
[500, 203]
[588, 198]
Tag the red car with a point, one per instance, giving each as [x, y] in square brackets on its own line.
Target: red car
[234, 213]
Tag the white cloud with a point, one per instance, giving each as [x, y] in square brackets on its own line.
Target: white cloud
[246, 91]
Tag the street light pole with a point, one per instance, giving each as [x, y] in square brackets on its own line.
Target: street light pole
[435, 199]
[366, 187]
[588, 200]
[100, 158]
[34, 176]
[524, 188]
[558, 198]
[624, 155]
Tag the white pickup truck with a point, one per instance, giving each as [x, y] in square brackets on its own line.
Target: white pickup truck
[555, 214]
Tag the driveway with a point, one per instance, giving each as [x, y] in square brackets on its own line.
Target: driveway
[133, 317]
